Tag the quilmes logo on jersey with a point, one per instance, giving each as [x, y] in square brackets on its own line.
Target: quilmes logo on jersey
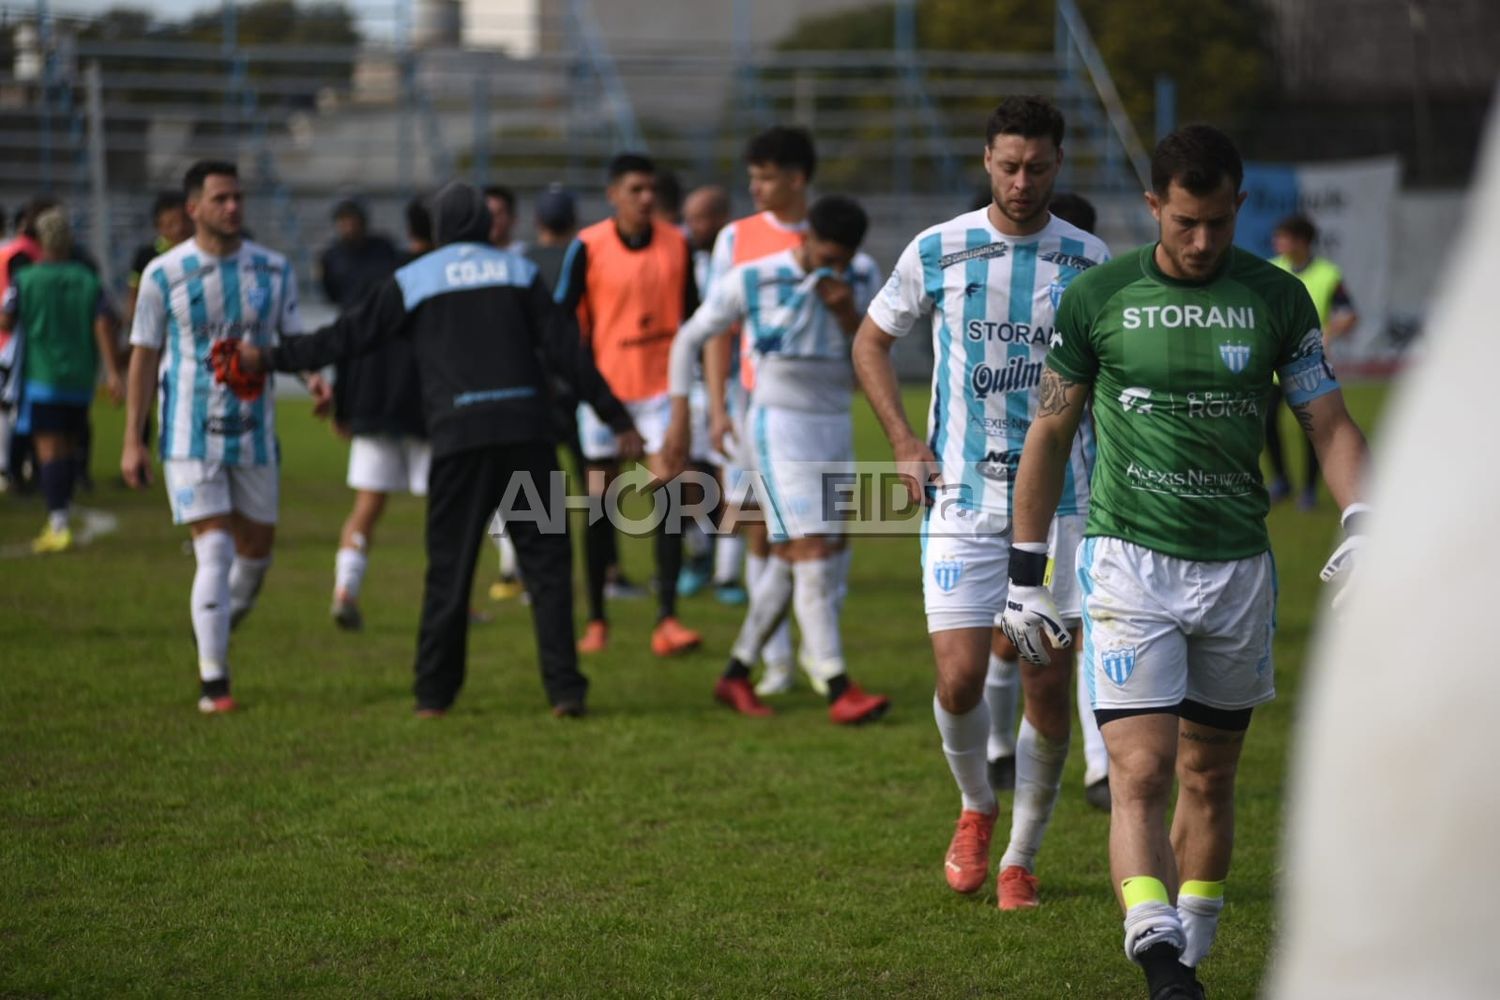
[1017, 375]
[1118, 664]
[1136, 399]
[1235, 356]
[946, 573]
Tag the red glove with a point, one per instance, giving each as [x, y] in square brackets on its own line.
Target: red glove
[226, 361]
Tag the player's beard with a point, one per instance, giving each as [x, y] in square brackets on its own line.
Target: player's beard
[1194, 267]
[1033, 212]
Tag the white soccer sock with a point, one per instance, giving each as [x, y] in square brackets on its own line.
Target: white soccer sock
[214, 551]
[57, 520]
[1150, 923]
[695, 544]
[1198, 907]
[845, 559]
[349, 569]
[769, 598]
[729, 552]
[1002, 689]
[963, 745]
[1095, 753]
[1039, 768]
[507, 550]
[245, 577]
[778, 648]
[815, 593]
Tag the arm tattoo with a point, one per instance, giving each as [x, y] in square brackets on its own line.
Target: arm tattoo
[1054, 394]
[1304, 418]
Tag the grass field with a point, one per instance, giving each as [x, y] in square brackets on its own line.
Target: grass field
[326, 843]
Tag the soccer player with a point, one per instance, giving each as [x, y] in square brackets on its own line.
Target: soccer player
[798, 307]
[989, 280]
[780, 163]
[630, 281]
[1002, 683]
[218, 442]
[487, 338]
[501, 203]
[1293, 240]
[1175, 345]
[69, 329]
[377, 404]
[169, 217]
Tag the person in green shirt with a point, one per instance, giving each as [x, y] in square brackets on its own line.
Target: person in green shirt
[61, 310]
[1293, 240]
[1176, 345]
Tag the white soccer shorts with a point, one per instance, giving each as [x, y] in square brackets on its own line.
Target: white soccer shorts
[198, 490]
[965, 565]
[1063, 540]
[1158, 629]
[651, 417]
[387, 463]
[797, 454]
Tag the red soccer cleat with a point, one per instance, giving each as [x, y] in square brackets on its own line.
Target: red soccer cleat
[221, 705]
[1016, 888]
[595, 637]
[737, 693]
[671, 637]
[854, 707]
[968, 862]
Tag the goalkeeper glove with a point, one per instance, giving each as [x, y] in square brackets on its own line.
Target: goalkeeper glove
[1029, 608]
[229, 370]
[1342, 564]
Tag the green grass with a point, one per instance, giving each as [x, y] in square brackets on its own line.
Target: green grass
[326, 843]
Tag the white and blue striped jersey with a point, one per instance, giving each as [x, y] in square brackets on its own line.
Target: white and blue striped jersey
[188, 300]
[991, 299]
[801, 353]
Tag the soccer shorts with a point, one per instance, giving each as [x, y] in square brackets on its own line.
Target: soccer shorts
[388, 463]
[1158, 630]
[699, 450]
[199, 490]
[1063, 540]
[651, 417]
[796, 454]
[965, 565]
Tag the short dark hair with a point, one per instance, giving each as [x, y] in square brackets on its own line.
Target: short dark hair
[1299, 227]
[1198, 158]
[668, 192]
[419, 220]
[785, 146]
[166, 201]
[503, 193]
[350, 208]
[1029, 116]
[192, 181]
[630, 163]
[1074, 209]
[36, 205]
[838, 219]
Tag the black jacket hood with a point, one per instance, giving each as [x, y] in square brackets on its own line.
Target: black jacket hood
[459, 215]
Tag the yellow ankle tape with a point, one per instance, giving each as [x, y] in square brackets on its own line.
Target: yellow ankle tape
[1203, 890]
[1142, 889]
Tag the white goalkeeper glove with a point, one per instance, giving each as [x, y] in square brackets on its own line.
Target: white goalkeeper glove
[1029, 608]
[1341, 566]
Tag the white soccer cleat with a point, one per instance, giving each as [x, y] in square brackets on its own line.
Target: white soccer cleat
[778, 678]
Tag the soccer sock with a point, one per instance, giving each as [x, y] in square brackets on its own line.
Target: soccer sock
[769, 599]
[1039, 768]
[844, 559]
[349, 567]
[729, 552]
[778, 648]
[1150, 920]
[815, 596]
[1095, 753]
[598, 543]
[1002, 689]
[963, 745]
[1198, 907]
[668, 564]
[57, 489]
[245, 577]
[695, 543]
[507, 550]
[210, 603]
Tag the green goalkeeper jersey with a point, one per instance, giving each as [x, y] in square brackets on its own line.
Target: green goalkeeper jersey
[1182, 375]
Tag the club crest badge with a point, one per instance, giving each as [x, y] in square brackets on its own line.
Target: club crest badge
[1118, 664]
[1235, 356]
[946, 573]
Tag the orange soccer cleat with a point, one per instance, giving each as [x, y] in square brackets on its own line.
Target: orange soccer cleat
[854, 707]
[671, 637]
[595, 637]
[1016, 888]
[968, 862]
